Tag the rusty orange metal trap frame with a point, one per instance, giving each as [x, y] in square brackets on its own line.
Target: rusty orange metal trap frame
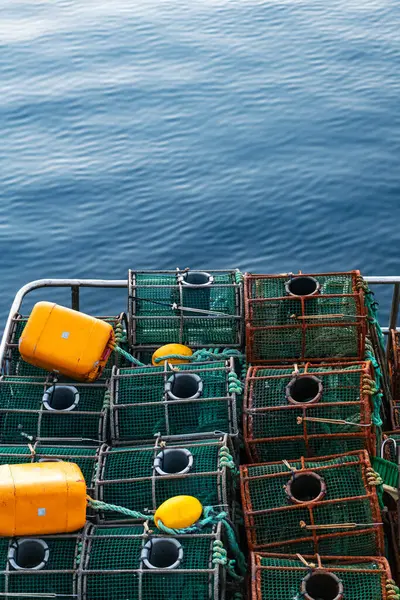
[305, 317]
[313, 410]
[327, 505]
[311, 577]
[394, 374]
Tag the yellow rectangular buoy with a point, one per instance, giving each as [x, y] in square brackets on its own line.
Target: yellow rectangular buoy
[41, 498]
[69, 342]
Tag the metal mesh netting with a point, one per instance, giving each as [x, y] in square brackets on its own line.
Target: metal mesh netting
[13, 364]
[217, 295]
[278, 401]
[113, 568]
[105, 563]
[85, 458]
[296, 510]
[327, 325]
[57, 577]
[43, 409]
[141, 407]
[143, 477]
[281, 577]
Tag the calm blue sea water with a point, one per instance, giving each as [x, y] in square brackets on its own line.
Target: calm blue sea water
[215, 133]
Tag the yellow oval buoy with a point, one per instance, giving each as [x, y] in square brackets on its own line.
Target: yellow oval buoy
[169, 349]
[179, 512]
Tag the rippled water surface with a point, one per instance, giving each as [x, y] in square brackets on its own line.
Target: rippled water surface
[214, 133]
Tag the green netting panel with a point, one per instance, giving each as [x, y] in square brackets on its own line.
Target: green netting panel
[275, 422]
[273, 286]
[85, 458]
[24, 413]
[278, 502]
[275, 578]
[142, 478]
[13, 364]
[327, 325]
[58, 575]
[155, 322]
[114, 567]
[140, 407]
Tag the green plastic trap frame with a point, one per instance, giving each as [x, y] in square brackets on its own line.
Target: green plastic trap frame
[105, 563]
[183, 400]
[195, 308]
[143, 477]
[327, 506]
[315, 317]
[313, 577]
[52, 411]
[314, 410]
[14, 365]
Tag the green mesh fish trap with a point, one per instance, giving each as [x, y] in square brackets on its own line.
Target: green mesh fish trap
[47, 410]
[40, 567]
[196, 308]
[109, 563]
[133, 564]
[289, 577]
[315, 410]
[304, 317]
[143, 477]
[327, 506]
[86, 458]
[182, 400]
[13, 364]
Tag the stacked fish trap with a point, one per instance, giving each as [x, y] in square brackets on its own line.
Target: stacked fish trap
[327, 506]
[197, 308]
[143, 477]
[394, 373]
[311, 408]
[315, 410]
[47, 410]
[294, 318]
[183, 400]
[105, 563]
[313, 577]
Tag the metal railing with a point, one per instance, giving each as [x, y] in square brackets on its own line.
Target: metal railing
[76, 284]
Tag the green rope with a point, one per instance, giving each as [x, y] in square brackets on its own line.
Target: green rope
[203, 355]
[107, 399]
[238, 277]
[226, 460]
[376, 394]
[128, 356]
[372, 308]
[99, 505]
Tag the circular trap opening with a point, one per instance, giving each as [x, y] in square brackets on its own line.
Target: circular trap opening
[302, 286]
[306, 487]
[162, 553]
[28, 554]
[61, 397]
[322, 586]
[173, 460]
[304, 389]
[183, 386]
[196, 279]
